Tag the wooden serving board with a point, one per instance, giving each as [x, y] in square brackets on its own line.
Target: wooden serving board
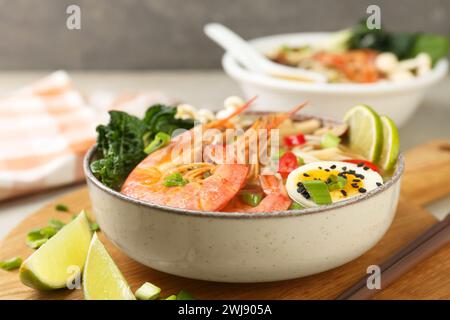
[428, 280]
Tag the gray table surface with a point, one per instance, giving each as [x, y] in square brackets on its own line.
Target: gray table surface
[208, 89]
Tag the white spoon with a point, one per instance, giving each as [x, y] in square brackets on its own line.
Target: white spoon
[254, 60]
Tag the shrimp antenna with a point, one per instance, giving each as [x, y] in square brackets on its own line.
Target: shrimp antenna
[283, 116]
[242, 108]
[235, 112]
[297, 108]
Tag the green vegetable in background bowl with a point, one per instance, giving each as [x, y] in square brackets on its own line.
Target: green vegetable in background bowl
[403, 44]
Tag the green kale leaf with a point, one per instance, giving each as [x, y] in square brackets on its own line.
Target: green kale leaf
[121, 143]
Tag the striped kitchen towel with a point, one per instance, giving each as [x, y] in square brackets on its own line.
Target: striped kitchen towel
[45, 130]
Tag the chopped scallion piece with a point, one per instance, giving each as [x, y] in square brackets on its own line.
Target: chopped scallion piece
[147, 291]
[48, 232]
[95, 226]
[11, 264]
[57, 224]
[175, 180]
[35, 238]
[184, 295]
[35, 244]
[318, 190]
[250, 198]
[172, 297]
[300, 161]
[161, 139]
[336, 182]
[61, 207]
[329, 140]
[296, 206]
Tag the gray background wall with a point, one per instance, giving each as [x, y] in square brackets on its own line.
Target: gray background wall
[167, 34]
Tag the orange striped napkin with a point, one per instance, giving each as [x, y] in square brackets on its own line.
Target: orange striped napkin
[45, 130]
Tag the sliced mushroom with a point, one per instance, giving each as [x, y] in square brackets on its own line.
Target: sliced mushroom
[338, 130]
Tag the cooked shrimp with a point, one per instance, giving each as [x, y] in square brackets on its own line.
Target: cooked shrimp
[206, 186]
[201, 192]
[209, 194]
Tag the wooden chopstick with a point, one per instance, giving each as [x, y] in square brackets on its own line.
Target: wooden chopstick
[404, 260]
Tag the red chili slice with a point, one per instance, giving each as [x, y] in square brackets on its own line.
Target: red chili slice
[364, 163]
[288, 163]
[294, 140]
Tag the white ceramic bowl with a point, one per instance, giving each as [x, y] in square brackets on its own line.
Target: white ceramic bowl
[240, 247]
[398, 100]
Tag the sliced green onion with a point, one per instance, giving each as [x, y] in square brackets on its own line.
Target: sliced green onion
[336, 182]
[318, 190]
[147, 291]
[175, 180]
[300, 161]
[184, 295]
[329, 140]
[37, 237]
[94, 226]
[250, 198]
[61, 207]
[296, 206]
[36, 244]
[11, 264]
[172, 297]
[48, 231]
[161, 139]
[57, 224]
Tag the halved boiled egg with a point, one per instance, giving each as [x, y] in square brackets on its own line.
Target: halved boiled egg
[330, 182]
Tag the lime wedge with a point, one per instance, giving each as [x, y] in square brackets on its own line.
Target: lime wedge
[365, 132]
[102, 280]
[53, 264]
[391, 144]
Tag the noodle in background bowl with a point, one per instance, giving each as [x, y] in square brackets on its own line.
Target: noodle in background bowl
[398, 100]
[243, 247]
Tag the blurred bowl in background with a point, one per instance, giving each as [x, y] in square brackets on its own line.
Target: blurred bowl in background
[398, 100]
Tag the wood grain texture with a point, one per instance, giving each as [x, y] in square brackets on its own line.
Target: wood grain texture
[428, 280]
[427, 172]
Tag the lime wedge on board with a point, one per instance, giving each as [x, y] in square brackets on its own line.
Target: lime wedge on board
[365, 132]
[51, 266]
[391, 144]
[102, 279]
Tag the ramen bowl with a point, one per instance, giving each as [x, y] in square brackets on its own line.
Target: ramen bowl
[243, 247]
[398, 100]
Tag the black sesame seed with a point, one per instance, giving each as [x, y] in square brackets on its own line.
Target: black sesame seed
[344, 193]
[362, 190]
[320, 168]
[306, 175]
[360, 164]
[333, 166]
[366, 168]
[355, 185]
[344, 168]
[379, 184]
[356, 180]
[352, 171]
[327, 170]
[299, 184]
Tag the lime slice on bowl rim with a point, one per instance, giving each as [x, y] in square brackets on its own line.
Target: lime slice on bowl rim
[48, 267]
[391, 144]
[102, 279]
[365, 132]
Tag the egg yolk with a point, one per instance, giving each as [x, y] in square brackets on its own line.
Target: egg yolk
[352, 186]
